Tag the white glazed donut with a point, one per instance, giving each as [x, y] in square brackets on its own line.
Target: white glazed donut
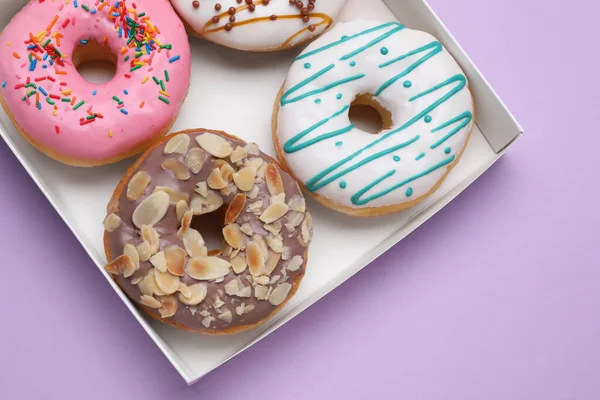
[415, 84]
[259, 25]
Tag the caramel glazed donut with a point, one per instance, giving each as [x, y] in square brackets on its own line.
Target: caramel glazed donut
[258, 25]
[421, 94]
[163, 264]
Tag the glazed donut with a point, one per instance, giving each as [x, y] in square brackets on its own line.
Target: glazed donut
[77, 122]
[418, 89]
[156, 250]
[258, 25]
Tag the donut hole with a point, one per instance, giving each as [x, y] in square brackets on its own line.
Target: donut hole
[368, 115]
[210, 227]
[96, 63]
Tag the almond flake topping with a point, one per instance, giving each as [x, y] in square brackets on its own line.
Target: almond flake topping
[214, 144]
[112, 222]
[279, 294]
[174, 195]
[195, 159]
[178, 144]
[151, 210]
[177, 168]
[197, 295]
[137, 185]
[207, 268]
[274, 182]
[274, 212]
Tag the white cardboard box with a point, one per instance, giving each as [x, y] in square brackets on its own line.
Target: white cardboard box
[342, 245]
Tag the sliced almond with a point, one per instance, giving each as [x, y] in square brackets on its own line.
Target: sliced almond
[206, 321]
[186, 221]
[244, 178]
[148, 285]
[204, 205]
[150, 301]
[235, 208]
[218, 302]
[202, 188]
[137, 185]
[226, 169]
[295, 218]
[245, 292]
[169, 306]
[279, 294]
[180, 209]
[256, 261]
[113, 221]
[261, 172]
[253, 193]
[261, 280]
[239, 263]
[175, 196]
[261, 292]
[233, 286]
[262, 244]
[130, 269]
[280, 198]
[194, 244]
[149, 234]
[177, 168]
[215, 180]
[119, 265]
[274, 244]
[175, 257]
[274, 212]
[238, 154]
[274, 228]
[113, 206]
[159, 261]
[234, 236]
[297, 203]
[226, 249]
[184, 290]
[207, 268]
[166, 281]
[226, 316]
[214, 144]
[274, 182]
[247, 229]
[306, 231]
[144, 251]
[287, 253]
[271, 263]
[195, 159]
[295, 263]
[197, 294]
[151, 210]
[229, 190]
[254, 163]
[256, 206]
[252, 148]
[178, 144]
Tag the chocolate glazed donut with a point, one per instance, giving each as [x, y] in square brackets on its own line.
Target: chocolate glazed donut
[163, 264]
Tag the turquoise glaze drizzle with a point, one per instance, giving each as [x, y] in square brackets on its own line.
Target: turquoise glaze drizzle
[307, 65]
[318, 101]
[443, 92]
[338, 144]
[339, 96]
[448, 150]
[356, 199]
[419, 156]
[291, 147]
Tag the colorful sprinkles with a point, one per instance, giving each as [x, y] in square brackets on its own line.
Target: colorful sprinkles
[43, 50]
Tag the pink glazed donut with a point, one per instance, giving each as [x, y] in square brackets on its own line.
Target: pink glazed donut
[77, 122]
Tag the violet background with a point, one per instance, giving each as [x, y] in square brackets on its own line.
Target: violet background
[496, 297]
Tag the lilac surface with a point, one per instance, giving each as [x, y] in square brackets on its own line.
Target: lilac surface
[497, 297]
